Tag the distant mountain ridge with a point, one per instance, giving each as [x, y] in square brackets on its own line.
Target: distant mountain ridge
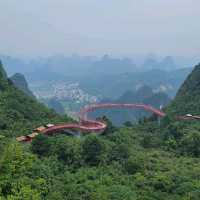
[107, 65]
[167, 64]
[139, 95]
[113, 86]
[80, 65]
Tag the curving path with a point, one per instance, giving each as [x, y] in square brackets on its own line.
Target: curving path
[89, 125]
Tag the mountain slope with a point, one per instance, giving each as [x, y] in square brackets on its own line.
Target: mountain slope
[20, 82]
[187, 99]
[3, 74]
[19, 113]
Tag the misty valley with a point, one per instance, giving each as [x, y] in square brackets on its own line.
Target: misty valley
[66, 84]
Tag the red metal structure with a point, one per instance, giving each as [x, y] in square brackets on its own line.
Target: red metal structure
[88, 125]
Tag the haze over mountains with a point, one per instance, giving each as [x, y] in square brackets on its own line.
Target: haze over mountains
[79, 65]
[92, 72]
[68, 83]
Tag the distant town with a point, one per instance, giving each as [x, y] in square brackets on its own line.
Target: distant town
[68, 92]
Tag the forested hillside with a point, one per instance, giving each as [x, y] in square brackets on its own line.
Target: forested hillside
[20, 82]
[19, 113]
[147, 161]
[188, 97]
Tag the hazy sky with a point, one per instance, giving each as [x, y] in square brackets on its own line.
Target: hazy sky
[96, 27]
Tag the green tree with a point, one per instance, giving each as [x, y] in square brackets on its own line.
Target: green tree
[190, 143]
[110, 128]
[128, 124]
[14, 167]
[92, 150]
[68, 150]
[41, 145]
[119, 153]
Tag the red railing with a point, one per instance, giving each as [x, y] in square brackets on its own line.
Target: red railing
[88, 125]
